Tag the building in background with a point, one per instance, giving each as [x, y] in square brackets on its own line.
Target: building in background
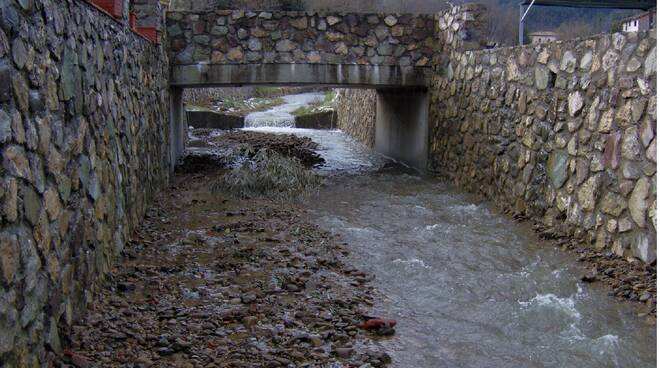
[542, 37]
[639, 22]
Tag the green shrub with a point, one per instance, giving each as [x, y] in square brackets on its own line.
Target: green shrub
[265, 92]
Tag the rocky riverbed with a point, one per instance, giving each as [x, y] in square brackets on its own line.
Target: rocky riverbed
[213, 281]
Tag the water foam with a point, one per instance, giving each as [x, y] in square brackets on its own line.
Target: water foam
[412, 262]
[467, 207]
[565, 305]
[609, 340]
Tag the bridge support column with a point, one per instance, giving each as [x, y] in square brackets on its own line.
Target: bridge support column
[402, 126]
[178, 129]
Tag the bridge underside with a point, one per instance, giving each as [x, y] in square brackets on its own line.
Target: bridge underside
[401, 111]
[336, 75]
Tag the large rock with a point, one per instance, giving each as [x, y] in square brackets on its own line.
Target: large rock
[606, 120]
[575, 103]
[644, 247]
[299, 23]
[631, 147]
[70, 76]
[391, 20]
[254, 44]
[53, 203]
[15, 161]
[650, 63]
[568, 62]
[285, 46]
[31, 204]
[651, 152]
[541, 77]
[612, 151]
[19, 53]
[613, 204]
[557, 168]
[585, 62]
[588, 193]
[9, 256]
[5, 127]
[637, 204]
[235, 54]
[512, 70]
[332, 20]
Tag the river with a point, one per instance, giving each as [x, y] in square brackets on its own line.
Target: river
[470, 287]
[282, 115]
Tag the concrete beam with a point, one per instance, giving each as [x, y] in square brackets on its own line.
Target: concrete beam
[336, 75]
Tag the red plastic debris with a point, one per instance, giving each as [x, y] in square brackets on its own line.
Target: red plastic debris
[377, 323]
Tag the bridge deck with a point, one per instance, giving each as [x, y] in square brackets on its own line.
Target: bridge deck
[347, 75]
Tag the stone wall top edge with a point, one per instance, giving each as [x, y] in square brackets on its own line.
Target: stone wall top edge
[560, 43]
[298, 13]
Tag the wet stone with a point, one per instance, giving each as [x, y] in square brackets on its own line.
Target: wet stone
[558, 168]
[575, 103]
[31, 204]
[5, 127]
[19, 53]
[5, 82]
[613, 204]
[612, 151]
[390, 20]
[20, 89]
[637, 203]
[9, 256]
[631, 147]
[15, 162]
[541, 77]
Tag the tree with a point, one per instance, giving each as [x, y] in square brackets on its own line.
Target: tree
[575, 29]
[502, 26]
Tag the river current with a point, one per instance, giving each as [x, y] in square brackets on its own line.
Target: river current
[469, 286]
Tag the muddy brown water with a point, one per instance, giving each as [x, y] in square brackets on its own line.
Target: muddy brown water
[469, 286]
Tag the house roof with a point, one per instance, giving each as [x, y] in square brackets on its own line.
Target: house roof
[637, 16]
[613, 4]
[544, 33]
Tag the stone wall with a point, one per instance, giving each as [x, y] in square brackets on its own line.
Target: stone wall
[239, 37]
[149, 13]
[563, 133]
[356, 114]
[84, 144]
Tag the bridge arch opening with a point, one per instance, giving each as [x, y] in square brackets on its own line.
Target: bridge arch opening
[400, 124]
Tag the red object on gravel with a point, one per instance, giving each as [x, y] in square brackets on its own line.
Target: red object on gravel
[376, 323]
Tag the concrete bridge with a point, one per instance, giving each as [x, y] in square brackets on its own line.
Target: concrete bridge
[392, 53]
